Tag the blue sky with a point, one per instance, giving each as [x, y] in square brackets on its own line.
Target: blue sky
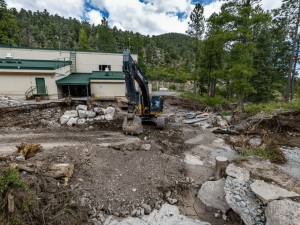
[151, 17]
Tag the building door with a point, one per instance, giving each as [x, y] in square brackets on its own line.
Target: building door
[40, 85]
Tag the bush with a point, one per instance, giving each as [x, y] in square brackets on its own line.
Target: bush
[215, 102]
[298, 92]
[173, 87]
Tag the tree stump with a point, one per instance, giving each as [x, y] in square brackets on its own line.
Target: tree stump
[11, 203]
[221, 165]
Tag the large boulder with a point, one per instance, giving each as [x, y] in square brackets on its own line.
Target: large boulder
[242, 200]
[283, 212]
[110, 111]
[99, 118]
[108, 117]
[81, 107]
[82, 114]
[64, 119]
[268, 192]
[72, 121]
[212, 194]
[90, 114]
[81, 121]
[237, 172]
[128, 144]
[167, 215]
[71, 113]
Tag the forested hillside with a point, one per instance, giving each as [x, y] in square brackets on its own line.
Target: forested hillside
[242, 50]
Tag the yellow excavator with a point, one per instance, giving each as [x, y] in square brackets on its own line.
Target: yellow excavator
[141, 107]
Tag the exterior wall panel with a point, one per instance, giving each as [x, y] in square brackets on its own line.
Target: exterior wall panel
[108, 89]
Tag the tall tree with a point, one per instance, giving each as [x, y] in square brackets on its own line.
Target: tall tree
[196, 31]
[83, 43]
[7, 23]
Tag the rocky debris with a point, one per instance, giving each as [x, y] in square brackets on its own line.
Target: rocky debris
[110, 111]
[64, 119]
[237, 172]
[242, 200]
[8, 102]
[99, 111]
[71, 113]
[172, 201]
[108, 117]
[20, 158]
[60, 170]
[72, 121]
[81, 107]
[283, 212]
[146, 147]
[167, 215]
[147, 208]
[268, 192]
[99, 118]
[212, 194]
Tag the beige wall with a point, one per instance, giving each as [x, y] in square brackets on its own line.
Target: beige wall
[110, 88]
[15, 85]
[86, 61]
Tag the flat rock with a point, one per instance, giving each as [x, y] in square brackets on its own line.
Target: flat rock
[268, 192]
[167, 215]
[283, 212]
[128, 144]
[81, 107]
[212, 194]
[64, 119]
[72, 121]
[237, 172]
[71, 113]
[146, 147]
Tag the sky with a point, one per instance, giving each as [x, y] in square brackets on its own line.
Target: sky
[151, 17]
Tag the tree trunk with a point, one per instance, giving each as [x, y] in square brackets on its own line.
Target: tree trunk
[287, 96]
[241, 103]
[294, 73]
[194, 91]
[208, 86]
[215, 83]
[221, 165]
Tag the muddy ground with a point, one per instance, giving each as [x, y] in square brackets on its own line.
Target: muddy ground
[112, 181]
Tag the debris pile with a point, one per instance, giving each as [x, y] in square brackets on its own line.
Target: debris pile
[8, 102]
[81, 115]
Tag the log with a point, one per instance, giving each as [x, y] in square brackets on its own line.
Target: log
[11, 203]
[60, 171]
[22, 167]
[221, 165]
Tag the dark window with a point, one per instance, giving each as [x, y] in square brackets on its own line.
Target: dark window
[102, 67]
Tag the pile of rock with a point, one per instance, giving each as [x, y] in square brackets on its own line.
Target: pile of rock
[254, 200]
[81, 115]
[8, 102]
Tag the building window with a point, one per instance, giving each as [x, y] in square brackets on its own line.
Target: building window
[102, 67]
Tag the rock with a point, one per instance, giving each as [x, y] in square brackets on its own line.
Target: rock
[81, 107]
[239, 201]
[133, 213]
[99, 118]
[82, 114]
[108, 117]
[237, 172]
[110, 111]
[212, 194]
[146, 147]
[283, 212]
[99, 111]
[142, 211]
[168, 193]
[71, 113]
[147, 208]
[189, 180]
[21, 158]
[268, 192]
[129, 144]
[64, 119]
[167, 215]
[172, 201]
[72, 121]
[90, 114]
[81, 121]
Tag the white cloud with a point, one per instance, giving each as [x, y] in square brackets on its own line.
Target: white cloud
[66, 8]
[151, 17]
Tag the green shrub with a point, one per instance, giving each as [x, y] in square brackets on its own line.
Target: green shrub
[216, 101]
[173, 87]
[298, 92]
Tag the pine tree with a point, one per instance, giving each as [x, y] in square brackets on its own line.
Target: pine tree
[83, 43]
[7, 23]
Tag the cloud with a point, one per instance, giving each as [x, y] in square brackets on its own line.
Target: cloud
[66, 8]
[151, 17]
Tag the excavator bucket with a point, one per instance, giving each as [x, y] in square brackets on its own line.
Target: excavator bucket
[132, 125]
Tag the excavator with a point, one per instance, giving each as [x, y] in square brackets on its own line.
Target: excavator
[141, 107]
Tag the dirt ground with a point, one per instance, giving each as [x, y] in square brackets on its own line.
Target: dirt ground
[113, 181]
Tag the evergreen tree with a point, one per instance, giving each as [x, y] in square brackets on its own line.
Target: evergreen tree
[7, 23]
[83, 43]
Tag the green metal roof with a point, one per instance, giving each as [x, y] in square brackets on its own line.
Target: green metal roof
[84, 78]
[75, 79]
[26, 64]
[102, 75]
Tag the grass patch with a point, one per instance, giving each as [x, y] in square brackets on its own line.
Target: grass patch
[227, 113]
